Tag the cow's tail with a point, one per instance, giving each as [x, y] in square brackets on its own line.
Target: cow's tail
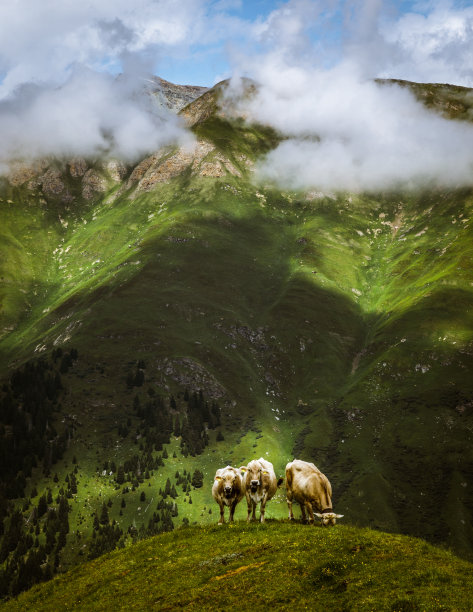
[328, 494]
[289, 479]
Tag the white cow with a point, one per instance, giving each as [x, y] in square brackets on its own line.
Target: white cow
[260, 484]
[227, 490]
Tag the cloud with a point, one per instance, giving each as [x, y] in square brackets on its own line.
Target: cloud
[343, 130]
[435, 46]
[314, 59]
[58, 64]
[42, 40]
[91, 114]
[59, 60]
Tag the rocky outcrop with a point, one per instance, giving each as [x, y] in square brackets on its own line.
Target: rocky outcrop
[92, 184]
[116, 169]
[190, 374]
[202, 159]
[172, 96]
[77, 167]
[51, 182]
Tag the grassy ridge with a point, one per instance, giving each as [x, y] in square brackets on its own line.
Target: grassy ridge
[275, 566]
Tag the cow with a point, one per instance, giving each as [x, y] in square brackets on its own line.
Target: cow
[260, 484]
[306, 485]
[227, 490]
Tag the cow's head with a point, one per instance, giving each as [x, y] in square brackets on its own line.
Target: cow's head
[254, 475]
[328, 518]
[229, 479]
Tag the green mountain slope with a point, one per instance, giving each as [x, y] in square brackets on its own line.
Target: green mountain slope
[331, 327]
[258, 567]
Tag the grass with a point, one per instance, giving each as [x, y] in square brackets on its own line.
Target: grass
[252, 566]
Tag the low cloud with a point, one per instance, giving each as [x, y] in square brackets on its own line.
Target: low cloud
[60, 93]
[343, 130]
[91, 114]
[315, 61]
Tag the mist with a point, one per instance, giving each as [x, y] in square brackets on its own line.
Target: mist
[342, 130]
[91, 114]
[73, 75]
[73, 78]
[345, 133]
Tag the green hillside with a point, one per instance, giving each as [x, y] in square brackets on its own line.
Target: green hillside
[334, 328]
[257, 567]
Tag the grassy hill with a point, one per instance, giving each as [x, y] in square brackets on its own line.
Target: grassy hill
[276, 565]
[331, 327]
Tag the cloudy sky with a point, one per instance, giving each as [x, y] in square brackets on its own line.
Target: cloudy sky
[315, 60]
[200, 41]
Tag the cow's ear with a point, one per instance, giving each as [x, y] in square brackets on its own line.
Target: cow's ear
[339, 515]
[218, 478]
[243, 468]
[265, 472]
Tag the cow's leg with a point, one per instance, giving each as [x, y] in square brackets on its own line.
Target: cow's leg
[310, 511]
[263, 507]
[304, 519]
[253, 516]
[232, 510]
[289, 505]
[222, 518]
[248, 503]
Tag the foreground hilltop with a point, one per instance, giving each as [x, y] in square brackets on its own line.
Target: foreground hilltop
[259, 567]
[175, 317]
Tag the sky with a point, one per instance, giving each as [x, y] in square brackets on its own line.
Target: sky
[198, 42]
[315, 61]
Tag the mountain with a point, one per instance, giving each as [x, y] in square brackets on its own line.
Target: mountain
[163, 319]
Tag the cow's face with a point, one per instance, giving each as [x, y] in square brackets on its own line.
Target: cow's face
[328, 518]
[228, 481]
[254, 476]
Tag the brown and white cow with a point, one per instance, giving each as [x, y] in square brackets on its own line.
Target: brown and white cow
[227, 490]
[306, 485]
[260, 484]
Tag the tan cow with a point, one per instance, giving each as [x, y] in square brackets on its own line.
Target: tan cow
[260, 484]
[227, 490]
[307, 485]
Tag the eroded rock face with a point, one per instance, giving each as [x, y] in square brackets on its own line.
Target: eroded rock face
[77, 167]
[21, 172]
[174, 97]
[116, 169]
[200, 109]
[21, 175]
[159, 169]
[93, 183]
[166, 169]
[202, 158]
[51, 182]
[191, 374]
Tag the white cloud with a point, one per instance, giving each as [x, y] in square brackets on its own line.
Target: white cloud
[57, 58]
[90, 114]
[58, 94]
[434, 47]
[41, 40]
[343, 130]
[313, 58]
